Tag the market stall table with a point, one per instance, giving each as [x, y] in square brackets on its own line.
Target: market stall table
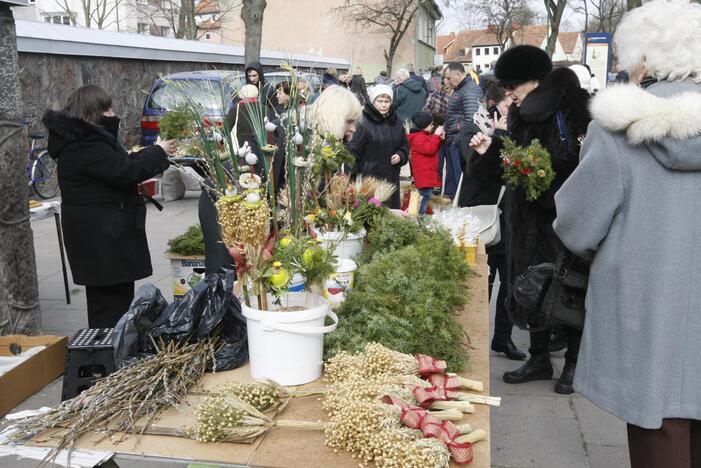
[292, 448]
[46, 210]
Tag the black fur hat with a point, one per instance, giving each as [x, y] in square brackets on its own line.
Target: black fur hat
[522, 63]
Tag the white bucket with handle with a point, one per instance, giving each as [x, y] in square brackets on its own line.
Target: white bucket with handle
[287, 346]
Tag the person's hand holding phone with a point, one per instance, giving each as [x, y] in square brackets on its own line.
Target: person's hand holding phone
[500, 121]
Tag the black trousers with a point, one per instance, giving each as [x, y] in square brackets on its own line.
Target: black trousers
[502, 322]
[677, 444]
[107, 304]
[540, 343]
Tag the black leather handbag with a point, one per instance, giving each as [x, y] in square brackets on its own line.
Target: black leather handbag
[564, 301]
[527, 295]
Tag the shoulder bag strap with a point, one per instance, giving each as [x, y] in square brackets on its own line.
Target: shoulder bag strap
[563, 131]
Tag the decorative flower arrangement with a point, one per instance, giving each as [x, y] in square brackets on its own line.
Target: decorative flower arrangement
[529, 168]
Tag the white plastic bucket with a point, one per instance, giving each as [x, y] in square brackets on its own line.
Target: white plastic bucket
[341, 281]
[351, 246]
[288, 347]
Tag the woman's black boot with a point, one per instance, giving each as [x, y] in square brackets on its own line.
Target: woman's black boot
[538, 367]
[564, 383]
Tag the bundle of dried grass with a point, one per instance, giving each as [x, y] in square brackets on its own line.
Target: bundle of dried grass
[230, 419]
[126, 401]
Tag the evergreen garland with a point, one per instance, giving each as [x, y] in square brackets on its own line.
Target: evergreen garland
[407, 288]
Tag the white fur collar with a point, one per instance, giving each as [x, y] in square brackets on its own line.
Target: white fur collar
[646, 117]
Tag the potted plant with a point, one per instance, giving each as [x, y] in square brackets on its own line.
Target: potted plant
[186, 254]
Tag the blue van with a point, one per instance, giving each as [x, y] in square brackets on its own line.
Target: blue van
[212, 89]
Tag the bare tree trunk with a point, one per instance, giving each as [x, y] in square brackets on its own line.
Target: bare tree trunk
[630, 4]
[19, 292]
[555, 9]
[252, 16]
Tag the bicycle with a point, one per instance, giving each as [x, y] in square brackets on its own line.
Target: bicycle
[41, 168]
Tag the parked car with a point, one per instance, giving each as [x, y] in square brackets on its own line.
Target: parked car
[212, 89]
[312, 80]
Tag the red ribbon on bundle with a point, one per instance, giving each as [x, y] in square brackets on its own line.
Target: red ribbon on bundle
[429, 365]
[427, 395]
[449, 382]
[415, 417]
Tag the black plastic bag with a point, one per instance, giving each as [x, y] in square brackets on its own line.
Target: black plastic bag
[210, 309]
[130, 335]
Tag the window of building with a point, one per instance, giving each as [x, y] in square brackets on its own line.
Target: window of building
[166, 31]
[143, 28]
[425, 27]
[57, 19]
[207, 36]
[478, 51]
[486, 51]
[32, 1]
[496, 51]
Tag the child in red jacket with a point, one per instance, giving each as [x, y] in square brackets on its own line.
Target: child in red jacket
[425, 143]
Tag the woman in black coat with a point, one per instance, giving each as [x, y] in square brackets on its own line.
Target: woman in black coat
[549, 106]
[380, 145]
[103, 216]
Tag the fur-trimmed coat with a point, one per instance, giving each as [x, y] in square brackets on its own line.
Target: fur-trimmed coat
[528, 236]
[633, 206]
[103, 216]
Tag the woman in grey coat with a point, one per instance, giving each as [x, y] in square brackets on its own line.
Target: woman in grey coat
[633, 206]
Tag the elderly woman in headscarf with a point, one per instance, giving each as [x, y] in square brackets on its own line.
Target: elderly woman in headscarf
[380, 144]
[632, 206]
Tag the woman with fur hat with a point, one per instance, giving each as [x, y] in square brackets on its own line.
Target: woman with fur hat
[548, 105]
[380, 145]
[632, 206]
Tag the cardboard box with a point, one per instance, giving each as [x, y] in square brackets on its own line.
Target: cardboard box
[35, 373]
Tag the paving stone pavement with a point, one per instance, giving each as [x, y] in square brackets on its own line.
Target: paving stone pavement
[533, 428]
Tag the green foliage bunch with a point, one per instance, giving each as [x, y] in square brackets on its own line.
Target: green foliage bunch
[529, 168]
[408, 286]
[191, 243]
[176, 123]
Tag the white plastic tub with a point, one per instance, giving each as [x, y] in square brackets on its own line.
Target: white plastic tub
[341, 281]
[349, 247]
[288, 347]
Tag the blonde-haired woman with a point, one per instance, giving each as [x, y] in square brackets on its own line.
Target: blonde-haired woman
[632, 206]
[336, 112]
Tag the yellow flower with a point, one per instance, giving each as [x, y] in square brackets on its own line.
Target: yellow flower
[348, 216]
[327, 152]
[541, 173]
[277, 264]
[310, 217]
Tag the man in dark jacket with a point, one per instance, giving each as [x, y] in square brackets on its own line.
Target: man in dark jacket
[418, 77]
[462, 105]
[359, 87]
[549, 106]
[266, 91]
[103, 216]
[409, 96]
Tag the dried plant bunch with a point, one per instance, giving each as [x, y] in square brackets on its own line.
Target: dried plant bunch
[117, 403]
[230, 419]
[377, 359]
[265, 395]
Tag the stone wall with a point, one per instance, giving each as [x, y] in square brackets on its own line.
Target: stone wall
[48, 80]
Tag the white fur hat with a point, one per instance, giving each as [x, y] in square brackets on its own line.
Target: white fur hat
[379, 90]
